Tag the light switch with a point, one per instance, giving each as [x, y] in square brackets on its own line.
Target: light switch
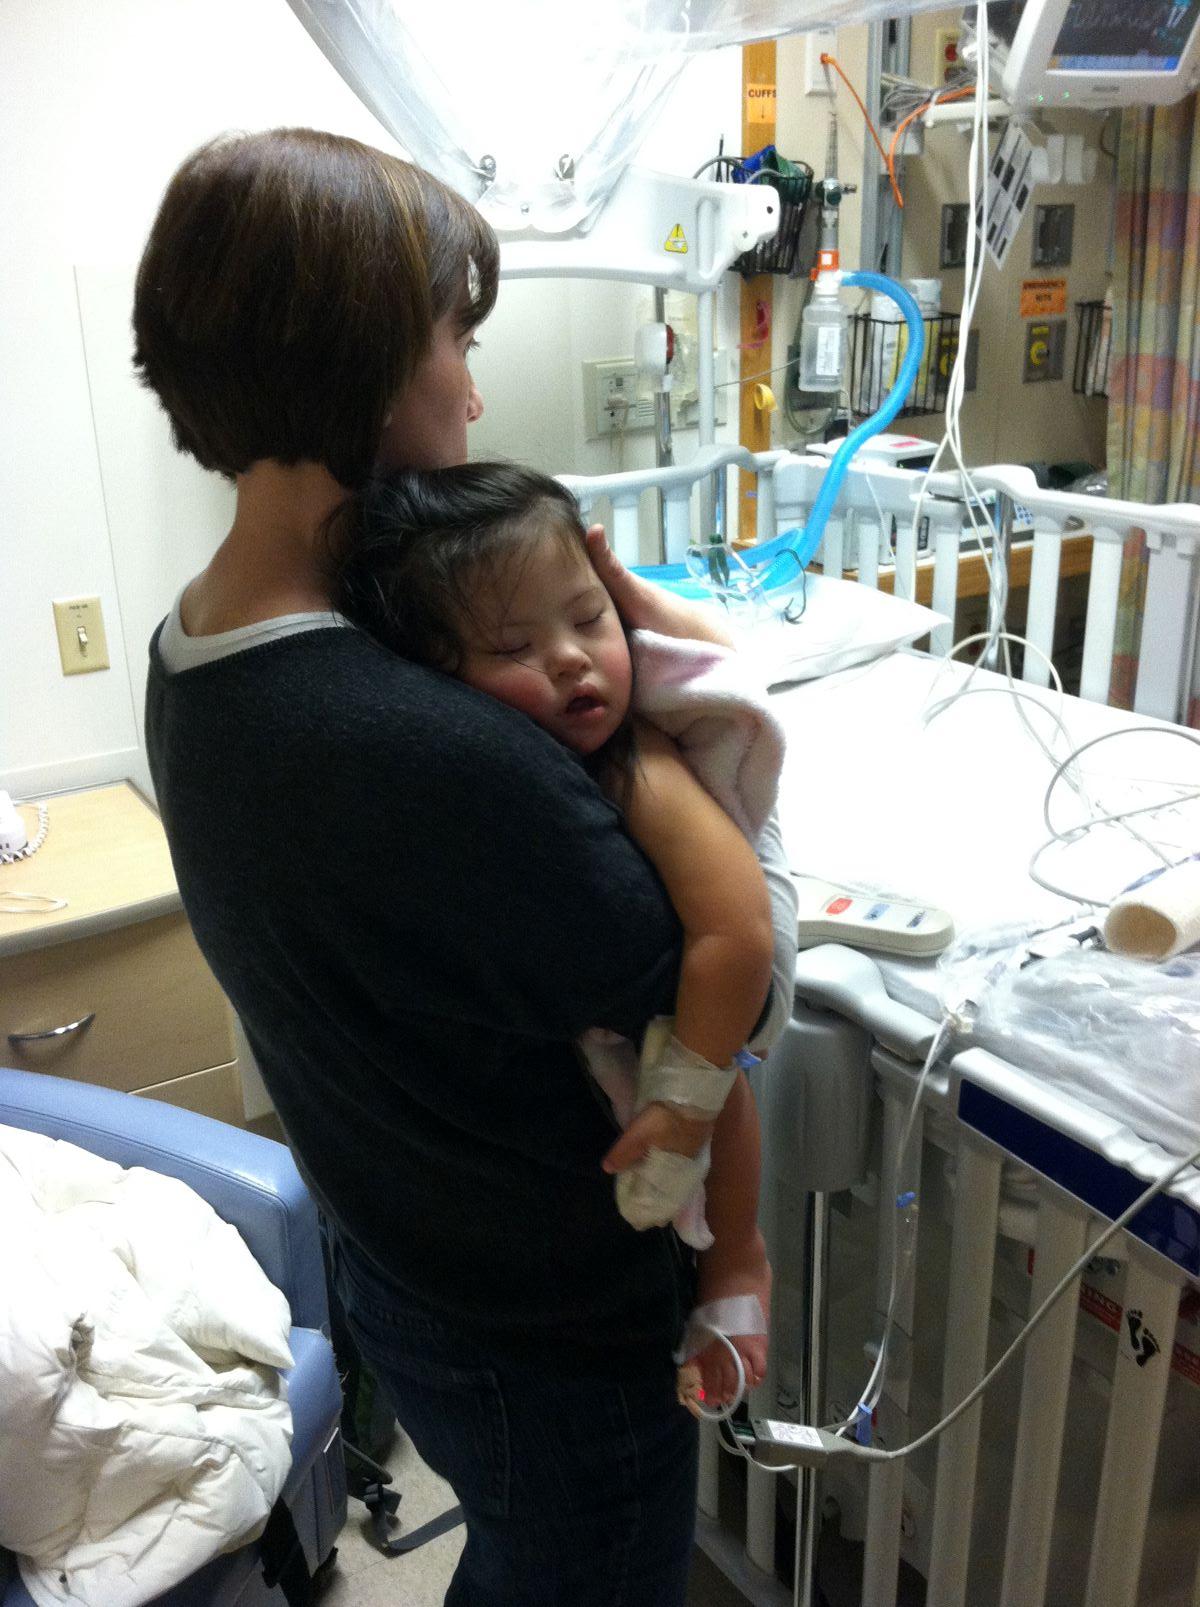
[82, 644]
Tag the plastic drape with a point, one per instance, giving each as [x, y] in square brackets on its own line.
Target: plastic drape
[1121, 1035]
[533, 108]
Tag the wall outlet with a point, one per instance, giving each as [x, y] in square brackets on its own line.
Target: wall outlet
[945, 55]
[611, 398]
[819, 80]
[82, 644]
[615, 403]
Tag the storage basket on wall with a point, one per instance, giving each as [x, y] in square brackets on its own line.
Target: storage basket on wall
[793, 183]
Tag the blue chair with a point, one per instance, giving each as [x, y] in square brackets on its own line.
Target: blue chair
[253, 1184]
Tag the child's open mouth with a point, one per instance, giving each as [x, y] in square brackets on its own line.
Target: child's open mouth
[585, 704]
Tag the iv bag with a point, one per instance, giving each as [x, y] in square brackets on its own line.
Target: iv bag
[533, 108]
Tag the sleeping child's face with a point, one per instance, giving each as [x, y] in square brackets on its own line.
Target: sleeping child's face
[545, 638]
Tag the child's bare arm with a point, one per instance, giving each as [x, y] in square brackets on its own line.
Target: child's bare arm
[720, 895]
[718, 891]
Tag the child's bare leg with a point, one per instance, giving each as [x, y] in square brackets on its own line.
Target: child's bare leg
[737, 1263]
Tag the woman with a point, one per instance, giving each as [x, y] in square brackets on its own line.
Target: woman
[367, 851]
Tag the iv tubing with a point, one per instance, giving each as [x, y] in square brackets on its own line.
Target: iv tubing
[810, 539]
[803, 544]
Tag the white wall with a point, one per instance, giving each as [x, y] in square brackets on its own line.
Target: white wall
[101, 103]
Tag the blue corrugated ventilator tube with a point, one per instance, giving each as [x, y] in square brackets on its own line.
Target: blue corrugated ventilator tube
[801, 544]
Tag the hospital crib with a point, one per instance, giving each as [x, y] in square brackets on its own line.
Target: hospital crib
[693, 497]
[969, 1515]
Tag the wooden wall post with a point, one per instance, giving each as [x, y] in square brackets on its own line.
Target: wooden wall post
[754, 427]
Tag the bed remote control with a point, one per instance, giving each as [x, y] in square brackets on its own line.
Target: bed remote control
[832, 914]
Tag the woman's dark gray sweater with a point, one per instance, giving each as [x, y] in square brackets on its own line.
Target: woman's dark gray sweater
[416, 900]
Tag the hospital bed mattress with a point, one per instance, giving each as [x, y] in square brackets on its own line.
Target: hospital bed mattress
[949, 812]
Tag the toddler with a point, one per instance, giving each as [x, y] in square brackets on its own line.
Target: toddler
[482, 571]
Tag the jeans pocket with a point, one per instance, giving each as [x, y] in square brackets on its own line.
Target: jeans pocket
[451, 1407]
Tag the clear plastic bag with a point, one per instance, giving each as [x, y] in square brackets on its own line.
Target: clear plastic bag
[558, 95]
[1121, 1034]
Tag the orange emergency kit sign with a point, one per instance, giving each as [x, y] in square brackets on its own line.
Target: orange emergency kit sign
[1043, 298]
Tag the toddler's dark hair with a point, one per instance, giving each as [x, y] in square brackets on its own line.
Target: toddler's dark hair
[409, 550]
[410, 547]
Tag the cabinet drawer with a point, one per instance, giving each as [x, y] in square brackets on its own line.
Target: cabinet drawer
[158, 1012]
[215, 1092]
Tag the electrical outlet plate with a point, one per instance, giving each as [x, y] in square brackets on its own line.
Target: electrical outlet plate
[1053, 235]
[945, 55]
[818, 80]
[612, 397]
[956, 217]
[614, 404]
[82, 644]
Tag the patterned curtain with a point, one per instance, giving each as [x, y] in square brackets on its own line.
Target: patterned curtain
[1154, 387]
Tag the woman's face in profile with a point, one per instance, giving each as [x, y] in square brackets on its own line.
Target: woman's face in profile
[426, 427]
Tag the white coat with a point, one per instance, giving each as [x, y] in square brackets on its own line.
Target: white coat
[144, 1426]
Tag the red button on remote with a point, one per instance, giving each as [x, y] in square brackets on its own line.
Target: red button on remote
[838, 906]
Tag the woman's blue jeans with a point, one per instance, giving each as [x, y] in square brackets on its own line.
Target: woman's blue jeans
[577, 1492]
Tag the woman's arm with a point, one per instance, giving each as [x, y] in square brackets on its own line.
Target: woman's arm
[646, 607]
[492, 880]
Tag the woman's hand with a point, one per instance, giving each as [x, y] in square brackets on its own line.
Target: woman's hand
[644, 606]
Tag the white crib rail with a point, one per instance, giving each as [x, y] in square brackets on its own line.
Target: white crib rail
[1170, 613]
[677, 483]
[1039, 1381]
[872, 496]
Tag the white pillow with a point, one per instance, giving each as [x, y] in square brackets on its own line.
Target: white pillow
[844, 623]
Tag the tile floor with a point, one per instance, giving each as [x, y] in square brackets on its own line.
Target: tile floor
[362, 1577]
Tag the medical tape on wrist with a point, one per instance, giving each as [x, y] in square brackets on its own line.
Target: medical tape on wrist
[738, 1316]
[685, 1080]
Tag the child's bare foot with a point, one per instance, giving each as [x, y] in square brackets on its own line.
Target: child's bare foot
[724, 1272]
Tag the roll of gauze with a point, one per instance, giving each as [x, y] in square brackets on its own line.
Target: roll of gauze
[1159, 919]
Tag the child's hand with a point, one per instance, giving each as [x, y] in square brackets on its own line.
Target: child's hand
[657, 1127]
[660, 1160]
[644, 606]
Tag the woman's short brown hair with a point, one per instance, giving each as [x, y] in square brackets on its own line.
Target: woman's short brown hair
[289, 289]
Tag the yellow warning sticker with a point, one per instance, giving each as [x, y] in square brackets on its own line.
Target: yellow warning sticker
[675, 241]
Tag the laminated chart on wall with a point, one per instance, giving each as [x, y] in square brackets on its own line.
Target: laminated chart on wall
[1009, 190]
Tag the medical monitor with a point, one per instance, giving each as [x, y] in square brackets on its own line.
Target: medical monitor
[1097, 53]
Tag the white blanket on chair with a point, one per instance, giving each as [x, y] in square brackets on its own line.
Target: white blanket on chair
[144, 1427]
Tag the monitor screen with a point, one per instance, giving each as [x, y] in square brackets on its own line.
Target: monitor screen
[1115, 36]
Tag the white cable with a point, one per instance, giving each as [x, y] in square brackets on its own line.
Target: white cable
[35, 842]
[871, 1394]
[1055, 1294]
[875, 1454]
[1065, 769]
[1099, 818]
[976, 258]
[869, 1398]
[723, 1413]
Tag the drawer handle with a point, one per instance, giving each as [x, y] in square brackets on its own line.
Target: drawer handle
[18, 1038]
